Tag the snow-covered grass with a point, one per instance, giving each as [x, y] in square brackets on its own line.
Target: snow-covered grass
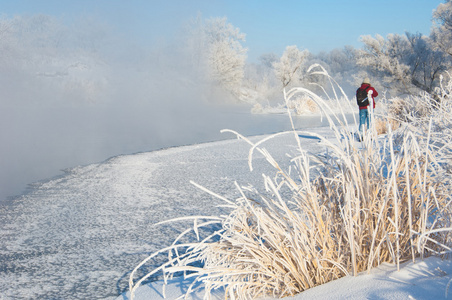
[347, 211]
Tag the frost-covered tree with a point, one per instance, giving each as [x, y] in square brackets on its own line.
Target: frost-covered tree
[267, 71]
[442, 29]
[216, 48]
[226, 54]
[384, 59]
[289, 67]
[342, 66]
[226, 65]
[339, 60]
[406, 64]
[260, 80]
[267, 60]
[426, 63]
[412, 63]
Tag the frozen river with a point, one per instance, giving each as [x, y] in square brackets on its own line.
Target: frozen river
[38, 145]
[79, 234]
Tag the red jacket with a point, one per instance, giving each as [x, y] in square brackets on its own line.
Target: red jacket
[369, 88]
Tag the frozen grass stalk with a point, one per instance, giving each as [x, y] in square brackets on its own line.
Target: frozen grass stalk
[362, 204]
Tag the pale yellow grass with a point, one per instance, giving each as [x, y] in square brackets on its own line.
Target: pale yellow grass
[383, 125]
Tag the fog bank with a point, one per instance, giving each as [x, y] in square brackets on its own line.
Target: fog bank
[75, 95]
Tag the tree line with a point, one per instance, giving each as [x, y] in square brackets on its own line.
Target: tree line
[79, 58]
[398, 64]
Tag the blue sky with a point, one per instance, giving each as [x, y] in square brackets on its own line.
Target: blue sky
[269, 26]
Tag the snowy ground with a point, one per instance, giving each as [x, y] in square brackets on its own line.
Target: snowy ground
[426, 279]
[79, 235]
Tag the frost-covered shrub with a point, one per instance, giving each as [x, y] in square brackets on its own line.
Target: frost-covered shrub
[382, 125]
[342, 212]
[257, 109]
[397, 108]
[409, 108]
[424, 107]
[425, 113]
[303, 105]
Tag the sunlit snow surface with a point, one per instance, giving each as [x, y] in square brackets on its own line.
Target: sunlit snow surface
[79, 236]
[426, 279]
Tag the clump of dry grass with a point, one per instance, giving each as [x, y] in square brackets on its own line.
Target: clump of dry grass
[383, 125]
[359, 206]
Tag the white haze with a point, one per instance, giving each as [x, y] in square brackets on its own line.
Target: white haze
[78, 95]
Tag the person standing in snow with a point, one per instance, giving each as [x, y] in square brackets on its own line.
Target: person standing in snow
[365, 96]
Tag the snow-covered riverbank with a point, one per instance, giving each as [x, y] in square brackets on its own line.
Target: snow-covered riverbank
[79, 235]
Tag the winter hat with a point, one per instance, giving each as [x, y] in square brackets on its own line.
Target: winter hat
[366, 80]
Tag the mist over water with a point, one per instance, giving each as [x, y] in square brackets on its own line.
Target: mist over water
[62, 107]
[40, 142]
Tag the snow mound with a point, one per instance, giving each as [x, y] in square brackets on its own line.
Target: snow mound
[427, 279]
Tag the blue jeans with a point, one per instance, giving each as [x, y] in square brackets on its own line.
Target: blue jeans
[363, 119]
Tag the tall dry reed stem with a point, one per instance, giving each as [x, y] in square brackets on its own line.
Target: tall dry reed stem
[364, 204]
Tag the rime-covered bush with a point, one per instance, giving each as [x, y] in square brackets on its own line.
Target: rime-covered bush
[425, 113]
[303, 105]
[411, 109]
[257, 109]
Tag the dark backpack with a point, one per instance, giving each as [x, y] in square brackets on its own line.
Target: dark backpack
[361, 97]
